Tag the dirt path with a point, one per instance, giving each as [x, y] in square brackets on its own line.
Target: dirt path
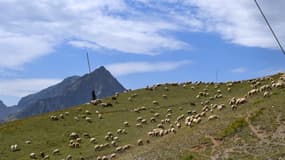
[216, 144]
[259, 135]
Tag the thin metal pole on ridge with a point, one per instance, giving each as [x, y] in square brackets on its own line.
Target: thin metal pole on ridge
[269, 26]
[88, 61]
[93, 93]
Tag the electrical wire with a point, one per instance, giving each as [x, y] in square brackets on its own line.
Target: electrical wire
[269, 26]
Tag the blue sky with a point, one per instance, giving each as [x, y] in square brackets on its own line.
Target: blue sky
[141, 42]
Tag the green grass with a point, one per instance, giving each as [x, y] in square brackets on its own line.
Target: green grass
[234, 127]
[187, 143]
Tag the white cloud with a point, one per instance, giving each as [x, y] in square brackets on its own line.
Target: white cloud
[120, 69]
[239, 70]
[30, 30]
[17, 49]
[23, 87]
[83, 44]
[240, 21]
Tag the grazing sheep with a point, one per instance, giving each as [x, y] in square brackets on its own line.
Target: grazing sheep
[76, 118]
[28, 142]
[61, 116]
[97, 147]
[96, 102]
[119, 131]
[240, 101]
[88, 119]
[42, 154]
[104, 158]
[114, 143]
[125, 147]
[178, 125]
[126, 124]
[152, 119]
[112, 156]
[221, 106]
[46, 157]
[87, 112]
[164, 96]
[266, 94]
[15, 147]
[68, 157]
[229, 89]
[166, 88]
[155, 102]
[160, 126]
[54, 118]
[99, 158]
[100, 116]
[197, 120]
[156, 115]
[212, 117]
[92, 140]
[144, 121]
[73, 135]
[169, 110]
[252, 92]
[173, 130]
[139, 119]
[168, 115]
[119, 149]
[139, 125]
[33, 156]
[56, 151]
[233, 106]
[140, 142]
[116, 139]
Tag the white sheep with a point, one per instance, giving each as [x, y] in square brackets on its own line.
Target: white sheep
[126, 124]
[88, 119]
[68, 157]
[140, 142]
[113, 155]
[92, 140]
[56, 151]
[212, 117]
[155, 102]
[33, 156]
[14, 148]
[266, 94]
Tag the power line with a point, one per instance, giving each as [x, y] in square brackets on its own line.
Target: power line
[269, 26]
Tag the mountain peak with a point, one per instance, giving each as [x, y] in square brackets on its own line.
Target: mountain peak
[71, 91]
[2, 105]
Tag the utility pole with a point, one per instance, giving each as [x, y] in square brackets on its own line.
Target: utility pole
[269, 26]
[216, 75]
[93, 93]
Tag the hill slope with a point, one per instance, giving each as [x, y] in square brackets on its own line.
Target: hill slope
[71, 91]
[252, 130]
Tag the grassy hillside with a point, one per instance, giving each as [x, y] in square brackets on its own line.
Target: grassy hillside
[255, 130]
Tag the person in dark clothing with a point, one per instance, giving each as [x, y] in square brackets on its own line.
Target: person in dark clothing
[94, 95]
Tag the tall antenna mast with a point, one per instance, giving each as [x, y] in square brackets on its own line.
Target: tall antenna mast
[216, 75]
[88, 61]
[93, 93]
[268, 24]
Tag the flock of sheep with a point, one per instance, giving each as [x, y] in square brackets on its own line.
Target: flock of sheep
[165, 123]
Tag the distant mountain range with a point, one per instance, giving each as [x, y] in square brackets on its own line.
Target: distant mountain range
[71, 91]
